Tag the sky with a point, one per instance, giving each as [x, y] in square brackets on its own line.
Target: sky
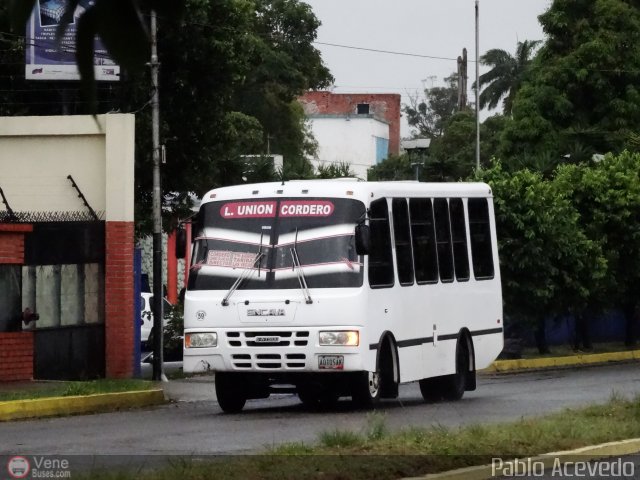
[434, 28]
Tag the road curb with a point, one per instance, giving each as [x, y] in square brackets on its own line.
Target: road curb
[583, 454]
[58, 406]
[567, 361]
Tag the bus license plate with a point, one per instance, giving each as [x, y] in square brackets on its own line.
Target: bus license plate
[331, 362]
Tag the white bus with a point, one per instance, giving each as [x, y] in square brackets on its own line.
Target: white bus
[332, 288]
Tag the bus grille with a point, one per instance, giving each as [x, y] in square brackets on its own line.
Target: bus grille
[267, 339]
[268, 361]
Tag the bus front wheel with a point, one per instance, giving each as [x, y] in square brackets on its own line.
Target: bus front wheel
[229, 392]
[366, 389]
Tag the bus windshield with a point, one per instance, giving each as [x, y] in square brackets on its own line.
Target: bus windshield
[260, 239]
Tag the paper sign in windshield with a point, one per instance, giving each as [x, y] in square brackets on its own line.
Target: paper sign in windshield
[225, 258]
[306, 208]
[248, 210]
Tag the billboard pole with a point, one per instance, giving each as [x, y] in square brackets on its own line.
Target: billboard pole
[158, 314]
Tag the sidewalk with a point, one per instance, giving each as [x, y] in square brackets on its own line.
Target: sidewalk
[202, 388]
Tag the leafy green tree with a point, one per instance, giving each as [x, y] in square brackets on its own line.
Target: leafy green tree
[430, 115]
[394, 167]
[583, 85]
[549, 265]
[507, 73]
[607, 195]
[335, 170]
[284, 64]
[452, 156]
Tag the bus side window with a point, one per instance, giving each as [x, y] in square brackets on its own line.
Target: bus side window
[402, 238]
[480, 234]
[459, 239]
[443, 239]
[424, 240]
[380, 256]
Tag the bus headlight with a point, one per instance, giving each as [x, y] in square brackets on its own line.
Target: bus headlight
[201, 340]
[349, 338]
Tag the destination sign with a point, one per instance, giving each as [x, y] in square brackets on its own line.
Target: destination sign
[248, 210]
[306, 208]
[287, 208]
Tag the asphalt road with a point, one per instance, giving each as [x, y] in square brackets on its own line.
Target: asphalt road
[195, 424]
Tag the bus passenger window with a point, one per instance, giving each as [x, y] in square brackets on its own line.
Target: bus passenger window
[380, 257]
[402, 237]
[424, 240]
[459, 239]
[443, 239]
[480, 234]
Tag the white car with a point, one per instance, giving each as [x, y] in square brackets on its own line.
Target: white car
[146, 315]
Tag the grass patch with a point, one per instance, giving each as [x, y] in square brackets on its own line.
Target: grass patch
[377, 453]
[567, 350]
[35, 390]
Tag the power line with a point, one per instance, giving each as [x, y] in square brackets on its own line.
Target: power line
[389, 52]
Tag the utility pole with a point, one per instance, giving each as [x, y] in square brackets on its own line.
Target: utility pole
[477, 88]
[462, 80]
[158, 314]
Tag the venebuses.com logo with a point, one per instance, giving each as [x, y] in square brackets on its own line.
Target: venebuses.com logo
[18, 467]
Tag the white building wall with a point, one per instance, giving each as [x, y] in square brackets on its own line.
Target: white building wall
[348, 139]
[38, 153]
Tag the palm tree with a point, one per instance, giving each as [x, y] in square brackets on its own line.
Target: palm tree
[506, 75]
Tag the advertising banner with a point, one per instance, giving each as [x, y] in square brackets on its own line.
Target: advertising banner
[48, 59]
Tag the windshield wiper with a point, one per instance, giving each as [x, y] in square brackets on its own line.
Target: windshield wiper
[246, 273]
[299, 272]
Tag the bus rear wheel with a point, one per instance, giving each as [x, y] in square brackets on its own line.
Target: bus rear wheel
[448, 387]
[229, 391]
[431, 389]
[453, 386]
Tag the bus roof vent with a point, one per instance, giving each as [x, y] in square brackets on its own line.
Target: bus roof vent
[255, 192]
[305, 191]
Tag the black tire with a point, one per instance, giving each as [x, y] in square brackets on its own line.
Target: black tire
[453, 386]
[431, 389]
[231, 396]
[366, 389]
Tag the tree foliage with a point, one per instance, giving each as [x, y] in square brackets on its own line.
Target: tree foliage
[394, 167]
[506, 75]
[583, 85]
[429, 115]
[607, 196]
[548, 266]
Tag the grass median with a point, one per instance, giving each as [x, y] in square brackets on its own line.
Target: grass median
[379, 453]
[36, 390]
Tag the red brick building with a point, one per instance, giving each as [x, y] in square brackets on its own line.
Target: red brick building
[383, 106]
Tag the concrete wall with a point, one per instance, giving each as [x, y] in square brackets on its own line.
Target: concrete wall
[36, 156]
[348, 139]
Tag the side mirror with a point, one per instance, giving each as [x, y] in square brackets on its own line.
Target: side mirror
[181, 242]
[363, 239]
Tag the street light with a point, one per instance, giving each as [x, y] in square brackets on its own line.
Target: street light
[418, 146]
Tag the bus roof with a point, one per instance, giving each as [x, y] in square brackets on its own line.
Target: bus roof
[347, 188]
